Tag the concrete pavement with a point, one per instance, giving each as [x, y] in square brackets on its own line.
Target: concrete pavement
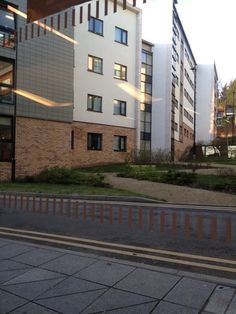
[42, 279]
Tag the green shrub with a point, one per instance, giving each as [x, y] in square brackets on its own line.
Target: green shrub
[177, 177]
[68, 176]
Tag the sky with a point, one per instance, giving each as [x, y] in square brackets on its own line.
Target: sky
[210, 26]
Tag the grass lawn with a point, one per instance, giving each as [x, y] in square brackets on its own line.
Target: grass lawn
[65, 189]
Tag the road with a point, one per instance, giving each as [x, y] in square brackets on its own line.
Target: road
[195, 238]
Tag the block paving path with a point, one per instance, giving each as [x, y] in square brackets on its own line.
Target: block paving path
[38, 279]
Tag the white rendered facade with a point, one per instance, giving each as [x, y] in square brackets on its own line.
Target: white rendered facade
[173, 78]
[104, 84]
[206, 102]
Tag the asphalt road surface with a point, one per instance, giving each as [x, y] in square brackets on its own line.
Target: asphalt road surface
[201, 239]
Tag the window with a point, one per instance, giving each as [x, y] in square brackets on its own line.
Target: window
[120, 72]
[121, 36]
[95, 64]
[95, 26]
[6, 138]
[6, 82]
[119, 143]
[146, 57]
[94, 141]
[7, 28]
[119, 107]
[94, 103]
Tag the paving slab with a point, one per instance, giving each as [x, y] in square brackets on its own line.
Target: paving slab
[71, 285]
[144, 308]
[220, 300]
[37, 256]
[2, 243]
[7, 275]
[68, 264]
[72, 303]
[149, 283]
[232, 307]
[32, 290]
[191, 292]
[12, 250]
[9, 302]
[34, 274]
[170, 308]
[11, 265]
[105, 272]
[32, 308]
[115, 299]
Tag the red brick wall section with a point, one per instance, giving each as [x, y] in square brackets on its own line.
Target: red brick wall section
[44, 144]
[5, 171]
[180, 147]
[41, 144]
[84, 157]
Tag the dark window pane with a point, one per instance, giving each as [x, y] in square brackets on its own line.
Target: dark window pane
[94, 141]
[6, 151]
[95, 26]
[5, 128]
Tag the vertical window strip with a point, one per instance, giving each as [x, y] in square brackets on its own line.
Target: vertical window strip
[26, 32]
[97, 9]
[81, 15]
[58, 22]
[89, 11]
[32, 30]
[51, 23]
[106, 8]
[115, 6]
[20, 35]
[73, 17]
[65, 19]
[45, 26]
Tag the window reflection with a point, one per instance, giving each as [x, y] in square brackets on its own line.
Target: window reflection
[6, 82]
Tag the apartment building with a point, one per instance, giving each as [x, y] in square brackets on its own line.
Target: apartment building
[174, 79]
[74, 102]
[206, 103]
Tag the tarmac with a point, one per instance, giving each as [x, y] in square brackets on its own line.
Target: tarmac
[39, 279]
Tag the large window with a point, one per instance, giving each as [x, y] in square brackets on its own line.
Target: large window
[95, 64]
[119, 143]
[7, 28]
[6, 138]
[94, 141]
[119, 107]
[120, 71]
[6, 82]
[121, 36]
[95, 26]
[94, 103]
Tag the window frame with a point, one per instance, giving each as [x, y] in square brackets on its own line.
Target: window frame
[8, 141]
[93, 29]
[120, 138]
[93, 58]
[122, 31]
[120, 103]
[92, 107]
[89, 145]
[10, 86]
[120, 77]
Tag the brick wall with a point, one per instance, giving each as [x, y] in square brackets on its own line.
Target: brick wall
[5, 171]
[84, 157]
[187, 143]
[43, 144]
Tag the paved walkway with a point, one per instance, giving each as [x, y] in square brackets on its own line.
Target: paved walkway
[172, 193]
[45, 280]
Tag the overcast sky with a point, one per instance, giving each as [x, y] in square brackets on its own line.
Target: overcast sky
[210, 26]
